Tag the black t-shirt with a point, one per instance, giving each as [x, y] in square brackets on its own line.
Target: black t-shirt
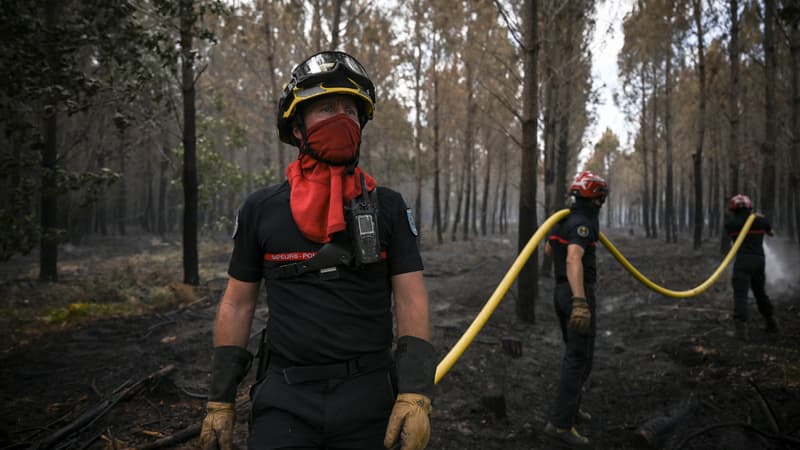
[316, 321]
[580, 227]
[753, 243]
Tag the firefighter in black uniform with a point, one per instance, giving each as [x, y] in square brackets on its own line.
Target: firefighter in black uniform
[337, 254]
[572, 244]
[748, 269]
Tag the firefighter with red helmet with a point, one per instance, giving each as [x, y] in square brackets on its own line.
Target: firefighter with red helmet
[572, 244]
[748, 269]
[339, 259]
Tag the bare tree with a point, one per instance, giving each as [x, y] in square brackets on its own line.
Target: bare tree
[528, 282]
[767, 202]
[699, 219]
[734, 114]
[794, 175]
[48, 251]
[418, 54]
[669, 201]
[191, 274]
[437, 207]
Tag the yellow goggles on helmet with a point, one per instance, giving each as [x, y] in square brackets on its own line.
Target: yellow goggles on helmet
[350, 87]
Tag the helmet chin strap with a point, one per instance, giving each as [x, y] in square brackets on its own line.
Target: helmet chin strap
[573, 200]
[598, 201]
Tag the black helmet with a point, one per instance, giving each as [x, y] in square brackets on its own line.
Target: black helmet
[325, 73]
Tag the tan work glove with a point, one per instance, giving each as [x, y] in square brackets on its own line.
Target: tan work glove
[409, 422]
[581, 317]
[217, 431]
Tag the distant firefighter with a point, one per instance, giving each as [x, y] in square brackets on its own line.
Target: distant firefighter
[748, 270]
[572, 244]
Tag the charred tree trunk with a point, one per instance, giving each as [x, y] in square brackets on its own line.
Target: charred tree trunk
[643, 147]
[469, 137]
[149, 213]
[669, 201]
[734, 115]
[437, 203]
[121, 206]
[562, 155]
[163, 185]
[701, 129]
[474, 201]
[273, 85]
[486, 183]
[448, 183]
[316, 27]
[337, 17]
[48, 250]
[550, 128]
[459, 200]
[794, 176]
[713, 201]
[503, 221]
[770, 129]
[417, 108]
[528, 281]
[654, 204]
[549, 166]
[100, 211]
[191, 274]
[495, 219]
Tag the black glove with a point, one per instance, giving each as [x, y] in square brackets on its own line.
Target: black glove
[416, 369]
[231, 364]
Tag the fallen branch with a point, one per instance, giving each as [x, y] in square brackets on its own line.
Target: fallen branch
[181, 436]
[744, 425]
[122, 392]
[187, 433]
[773, 423]
[656, 430]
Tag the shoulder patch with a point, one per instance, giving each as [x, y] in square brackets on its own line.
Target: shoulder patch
[235, 225]
[411, 224]
[583, 231]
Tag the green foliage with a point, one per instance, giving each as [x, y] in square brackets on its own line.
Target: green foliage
[78, 310]
[605, 152]
[790, 14]
[19, 230]
[218, 177]
[77, 59]
[93, 181]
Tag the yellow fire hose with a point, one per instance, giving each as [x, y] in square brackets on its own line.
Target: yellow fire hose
[689, 292]
[499, 292]
[505, 284]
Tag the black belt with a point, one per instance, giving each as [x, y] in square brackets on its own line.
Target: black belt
[302, 374]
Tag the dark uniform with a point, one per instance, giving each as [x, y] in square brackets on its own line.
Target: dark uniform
[329, 337]
[580, 227]
[748, 269]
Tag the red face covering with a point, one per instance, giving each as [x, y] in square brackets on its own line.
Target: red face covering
[319, 190]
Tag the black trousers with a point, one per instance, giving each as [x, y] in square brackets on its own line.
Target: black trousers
[578, 356]
[748, 273]
[343, 413]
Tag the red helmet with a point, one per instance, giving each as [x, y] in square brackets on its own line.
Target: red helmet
[740, 201]
[589, 185]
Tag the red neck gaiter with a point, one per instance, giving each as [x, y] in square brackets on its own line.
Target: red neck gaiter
[320, 190]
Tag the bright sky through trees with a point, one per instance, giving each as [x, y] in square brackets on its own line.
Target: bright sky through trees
[606, 43]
